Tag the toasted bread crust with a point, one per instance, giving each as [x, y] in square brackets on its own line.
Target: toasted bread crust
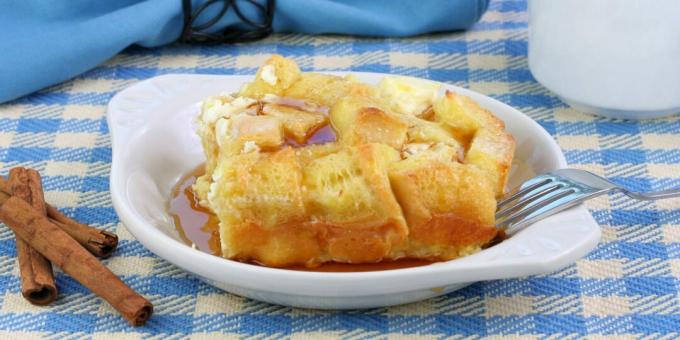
[448, 236]
[275, 76]
[311, 243]
[326, 89]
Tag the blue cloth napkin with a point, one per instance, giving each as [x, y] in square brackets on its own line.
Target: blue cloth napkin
[46, 42]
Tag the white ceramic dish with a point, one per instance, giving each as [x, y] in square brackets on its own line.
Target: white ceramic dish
[154, 144]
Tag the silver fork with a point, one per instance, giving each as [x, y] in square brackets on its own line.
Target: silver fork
[550, 193]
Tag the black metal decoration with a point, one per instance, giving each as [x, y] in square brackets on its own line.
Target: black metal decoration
[248, 29]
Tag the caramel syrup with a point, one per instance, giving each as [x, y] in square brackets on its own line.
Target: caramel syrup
[197, 225]
[323, 135]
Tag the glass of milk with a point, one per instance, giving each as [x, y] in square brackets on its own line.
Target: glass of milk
[615, 58]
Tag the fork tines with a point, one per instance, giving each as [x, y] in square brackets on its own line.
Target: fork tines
[536, 194]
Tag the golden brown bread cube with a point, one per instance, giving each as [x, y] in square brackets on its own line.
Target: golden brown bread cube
[259, 187]
[449, 207]
[423, 131]
[489, 146]
[463, 116]
[274, 77]
[351, 187]
[326, 89]
[349, 193]
[492, 151]
[297, 123]
[360, 120]
[254, 195]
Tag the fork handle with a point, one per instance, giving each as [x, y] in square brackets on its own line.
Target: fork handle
[670, 193]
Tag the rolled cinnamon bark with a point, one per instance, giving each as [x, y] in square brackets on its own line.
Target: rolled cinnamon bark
[99, 242]
[37, 278]
[57, 246]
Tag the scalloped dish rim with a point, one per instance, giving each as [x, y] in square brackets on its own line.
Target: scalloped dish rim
[151, 130]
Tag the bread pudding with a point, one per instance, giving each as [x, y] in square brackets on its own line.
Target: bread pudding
[308, 168]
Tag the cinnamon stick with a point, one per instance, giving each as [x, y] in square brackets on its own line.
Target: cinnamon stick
[99, 242]
[37, 278]
[57, 246]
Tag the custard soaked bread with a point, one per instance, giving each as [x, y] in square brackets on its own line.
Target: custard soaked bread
[306, 168]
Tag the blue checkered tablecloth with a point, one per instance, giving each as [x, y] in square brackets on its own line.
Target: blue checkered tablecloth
[627, 287]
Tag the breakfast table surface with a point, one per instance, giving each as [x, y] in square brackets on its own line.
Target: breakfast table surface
[627, 287]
